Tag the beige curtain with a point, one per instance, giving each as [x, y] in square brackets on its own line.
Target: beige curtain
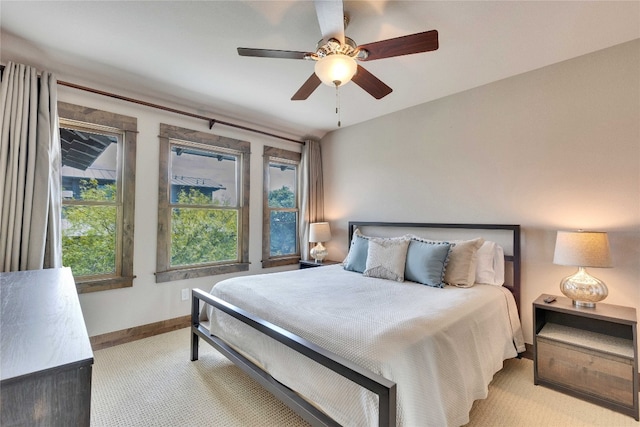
[311, 192]
[30, 162]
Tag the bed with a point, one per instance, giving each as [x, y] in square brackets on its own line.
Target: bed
[345, 347]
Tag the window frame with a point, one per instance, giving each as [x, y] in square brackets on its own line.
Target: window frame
[126, 128]
[164, 271]
[271, 154]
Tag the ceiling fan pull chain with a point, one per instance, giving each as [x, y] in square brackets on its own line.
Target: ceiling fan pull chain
[338, 103]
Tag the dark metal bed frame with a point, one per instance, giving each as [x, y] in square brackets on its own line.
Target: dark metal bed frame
[384, 388]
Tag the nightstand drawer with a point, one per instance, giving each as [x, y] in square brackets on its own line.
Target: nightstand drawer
[604, 375]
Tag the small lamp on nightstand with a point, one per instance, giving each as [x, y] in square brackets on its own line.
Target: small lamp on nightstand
[319, 233]
[583, 249]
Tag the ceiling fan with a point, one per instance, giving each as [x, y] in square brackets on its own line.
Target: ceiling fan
[336, 55]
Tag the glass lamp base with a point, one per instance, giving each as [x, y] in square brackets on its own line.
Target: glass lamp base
[584, 289]
[319, 252]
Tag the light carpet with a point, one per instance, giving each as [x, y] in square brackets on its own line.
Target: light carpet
[152, 382]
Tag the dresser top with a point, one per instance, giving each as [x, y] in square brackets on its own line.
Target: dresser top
[41, 323]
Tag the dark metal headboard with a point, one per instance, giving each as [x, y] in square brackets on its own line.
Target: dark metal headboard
[514, 257]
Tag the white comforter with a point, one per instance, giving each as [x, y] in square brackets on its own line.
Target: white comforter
[441, 346]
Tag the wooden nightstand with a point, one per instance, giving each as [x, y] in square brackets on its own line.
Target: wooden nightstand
[591, 353]
[312, 263]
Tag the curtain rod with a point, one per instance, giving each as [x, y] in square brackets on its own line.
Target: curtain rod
[171, 110]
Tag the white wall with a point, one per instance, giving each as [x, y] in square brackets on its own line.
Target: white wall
[556, 148]
[147, 302]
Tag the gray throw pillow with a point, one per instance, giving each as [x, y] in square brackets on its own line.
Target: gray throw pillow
[426, 262]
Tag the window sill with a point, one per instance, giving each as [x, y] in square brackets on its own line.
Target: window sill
[194, 272]
[96, 285]
[277, 262]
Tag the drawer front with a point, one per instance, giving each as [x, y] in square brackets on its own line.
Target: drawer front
[602, 375]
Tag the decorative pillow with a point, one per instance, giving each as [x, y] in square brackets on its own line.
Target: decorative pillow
[461, 268]
[386, 258]
[356, 259]
[426, 262]
[490, 264]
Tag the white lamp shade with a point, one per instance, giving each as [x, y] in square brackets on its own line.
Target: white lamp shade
[335, 69]
[582, 249]
[319, 232]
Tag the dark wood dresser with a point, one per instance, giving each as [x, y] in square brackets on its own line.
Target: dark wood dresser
[45, 353]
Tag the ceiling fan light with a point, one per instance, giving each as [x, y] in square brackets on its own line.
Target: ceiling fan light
[335, 69]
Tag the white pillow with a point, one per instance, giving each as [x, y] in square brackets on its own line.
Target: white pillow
[386, 258]
[485, 272]
[490, 264]
[498, 266]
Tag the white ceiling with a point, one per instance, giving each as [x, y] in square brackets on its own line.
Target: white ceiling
[184, 52]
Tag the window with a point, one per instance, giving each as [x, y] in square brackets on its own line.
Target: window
[280, 243]
[203, 205]
[98, 184]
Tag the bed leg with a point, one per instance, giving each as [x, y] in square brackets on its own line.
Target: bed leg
[194, 346]
[195, 323]
[387, 408]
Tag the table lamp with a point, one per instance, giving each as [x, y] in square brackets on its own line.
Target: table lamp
[319, 232]
[583, 249]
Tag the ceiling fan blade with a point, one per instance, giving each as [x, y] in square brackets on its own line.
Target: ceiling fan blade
[307, 88]
[331, 19]
[370, 83]
[405, 45]
[272, 53]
